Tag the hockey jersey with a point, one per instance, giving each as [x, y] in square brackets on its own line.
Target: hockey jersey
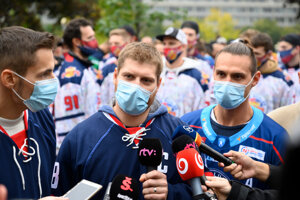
[180, 90]
[101, 147]
[78, 96]
[261, 138]
[29, 176]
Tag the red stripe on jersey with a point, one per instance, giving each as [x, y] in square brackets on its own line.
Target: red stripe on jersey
[269, 142]
[194, 126]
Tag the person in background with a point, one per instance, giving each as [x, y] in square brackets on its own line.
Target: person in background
[289, 53]
[118, 39]
[182, 88]
[191, 30]
[133, 36]
[273, 89]
[147, 39]
[27, 133]
[78, 96]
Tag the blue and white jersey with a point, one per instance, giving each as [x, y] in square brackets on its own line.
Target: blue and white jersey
[78, 96]
[101, 147]
[261, 138]
[29, 176]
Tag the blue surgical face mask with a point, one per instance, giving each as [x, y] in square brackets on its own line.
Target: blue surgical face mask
[44, 93]
[132, 98]
[230, 95]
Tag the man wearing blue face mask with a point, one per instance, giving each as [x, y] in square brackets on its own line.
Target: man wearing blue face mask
[233, 124]
[27, 136]
[106, 144]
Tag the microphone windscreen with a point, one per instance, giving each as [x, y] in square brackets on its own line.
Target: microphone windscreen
[187, 130]
[189, 164]
[124, 187]
[183, 142]
[150, 152]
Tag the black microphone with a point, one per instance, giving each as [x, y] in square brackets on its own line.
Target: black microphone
[150, 153]
[124, 187]
[186, 130]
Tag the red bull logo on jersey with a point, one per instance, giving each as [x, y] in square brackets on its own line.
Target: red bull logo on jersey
[258, 103]
[252, 152]
[70, 72]
[171, 108]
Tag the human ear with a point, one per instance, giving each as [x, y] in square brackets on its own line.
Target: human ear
[8, 79]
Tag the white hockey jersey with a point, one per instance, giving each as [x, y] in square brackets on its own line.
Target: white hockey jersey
[77, 97]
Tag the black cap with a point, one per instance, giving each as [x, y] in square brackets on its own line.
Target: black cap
[124, 187]
[177, 34]
[150, 152]
[129, 30]
[190, 24]
[183, 142]
[293, 39]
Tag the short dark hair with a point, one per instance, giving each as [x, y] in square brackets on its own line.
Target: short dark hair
[262, 40]
[190, 24]
[18, 46]
[241, 48]
[73, 30]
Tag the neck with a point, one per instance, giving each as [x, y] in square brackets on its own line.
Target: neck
[8, 107]
[130, 120]
[77, 52]
[175, 64]
[234, 117]
[295, 61]
[191, 52]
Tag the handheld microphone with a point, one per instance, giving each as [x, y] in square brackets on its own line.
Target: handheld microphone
[124, 187]
[186, 130]
[107, 192]
[190, 168]
[150, 153]
[185, 142]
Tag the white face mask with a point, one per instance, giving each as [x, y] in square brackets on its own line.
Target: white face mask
[43, 94]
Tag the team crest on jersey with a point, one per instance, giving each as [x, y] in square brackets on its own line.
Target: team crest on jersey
[258, 102]
[172, 108]
[99, 75]
[221, 142]
[219, 173]
[70, 72]
[252, 152]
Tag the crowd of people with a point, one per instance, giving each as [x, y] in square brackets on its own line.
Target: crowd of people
[73, 109]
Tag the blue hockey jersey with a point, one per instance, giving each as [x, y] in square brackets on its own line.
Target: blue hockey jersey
[100, 148]
[261, 138]
[31, 177]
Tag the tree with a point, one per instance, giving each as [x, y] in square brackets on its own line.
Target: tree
[270, 27]
[28, 13]
[117, 13]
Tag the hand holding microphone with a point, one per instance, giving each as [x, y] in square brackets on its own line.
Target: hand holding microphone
[155, 185]
[186, 130]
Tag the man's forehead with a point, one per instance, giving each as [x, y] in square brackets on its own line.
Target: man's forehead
[229, 61]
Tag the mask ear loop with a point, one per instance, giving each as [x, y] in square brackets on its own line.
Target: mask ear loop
[24, 80]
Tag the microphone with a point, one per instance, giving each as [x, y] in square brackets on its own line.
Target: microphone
[107, 192]
[124, 187]
[186, 130]
[190, 168]
[150, 153]
[185, 142]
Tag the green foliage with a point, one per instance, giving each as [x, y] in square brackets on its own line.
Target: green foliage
[117, 13]
[271, 27]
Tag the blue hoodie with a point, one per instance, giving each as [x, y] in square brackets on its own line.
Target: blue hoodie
[31, 177]
[94, 150]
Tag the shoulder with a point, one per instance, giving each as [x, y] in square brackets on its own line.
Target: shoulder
[192, 117]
